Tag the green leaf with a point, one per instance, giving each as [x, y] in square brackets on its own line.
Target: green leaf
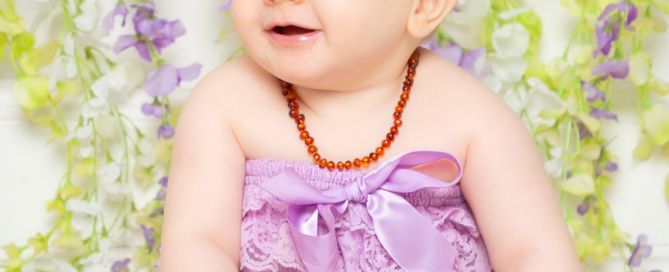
[656, 123]
[578, 185]
[662, 4]
[643, 148]
[32, 92]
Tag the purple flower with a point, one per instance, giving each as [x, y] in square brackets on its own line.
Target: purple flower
[611, 166]
[226, 6]
[601, 113]
[607, 30]
[149, 29]
[152, 110]
[148, 236]
[615, 69]
[121, 265]
[165, 131]
[622, 7]
[160, 195]
[640, 251]
[454, 53]
[163, 181]
[583, 208]
[583, 131]
[163, 81]
[108, 21]
[593, 94]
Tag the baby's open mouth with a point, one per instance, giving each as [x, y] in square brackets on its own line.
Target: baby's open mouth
[291, 30]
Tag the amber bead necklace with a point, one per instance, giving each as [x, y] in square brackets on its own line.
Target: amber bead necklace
[289, 92]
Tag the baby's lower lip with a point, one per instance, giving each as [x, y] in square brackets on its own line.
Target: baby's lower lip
[293, 40]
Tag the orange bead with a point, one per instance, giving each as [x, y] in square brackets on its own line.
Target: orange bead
[340, 166]
[309, 140]
[323, 163]
[399, 108]
[365, 161]
[301, 126]
[348, 164]
[312, 149]
[292, 113]
[331, 165]
[379, 151]
[304, 134]
[394, 130]
[390, 136]
[398, 123]
[316, 157]
[397, 115]
[404, 96]
[385, 143]
[373, 157]
[357, 163]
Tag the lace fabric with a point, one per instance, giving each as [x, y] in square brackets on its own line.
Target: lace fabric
[266, 243]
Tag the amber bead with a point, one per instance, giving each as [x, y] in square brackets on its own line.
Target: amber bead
[312, 149]
[323, 163]
[397, 115]
[394, 130]
[292, 113]
[348, 164]
[301, 126]
[402, 103]
[379, 151]
[390, 136]
[340, 165]
[316, 157]
[365, 161]
[385, 143]
[399, 108]
[398, 123]
[309, 140]
[373, 157]
[357, 163]
[331, 165]
[304, 134]
[404, 96]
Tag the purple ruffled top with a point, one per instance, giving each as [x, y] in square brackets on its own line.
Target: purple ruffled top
[269, 239]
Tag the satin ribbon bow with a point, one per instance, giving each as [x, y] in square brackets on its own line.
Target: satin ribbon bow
[407, 236]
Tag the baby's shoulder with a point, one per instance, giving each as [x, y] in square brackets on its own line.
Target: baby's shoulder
[233, 86]
[463, 95]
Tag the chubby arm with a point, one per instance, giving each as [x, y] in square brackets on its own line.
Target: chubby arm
[201, 227]
[511, 195]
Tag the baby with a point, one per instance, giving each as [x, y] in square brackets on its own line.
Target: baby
[338, 144]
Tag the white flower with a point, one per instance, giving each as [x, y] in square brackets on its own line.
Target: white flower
[88, 18]
[509, 69]
[511, 40]
[83, 207]
[465, 25]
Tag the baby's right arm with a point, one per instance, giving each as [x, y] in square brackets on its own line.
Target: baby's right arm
[201, 227]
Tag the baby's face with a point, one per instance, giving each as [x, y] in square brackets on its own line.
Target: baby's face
[322, 44]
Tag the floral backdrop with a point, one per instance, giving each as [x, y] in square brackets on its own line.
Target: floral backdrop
[75, 79]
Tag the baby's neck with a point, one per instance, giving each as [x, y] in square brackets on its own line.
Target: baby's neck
[366, 99]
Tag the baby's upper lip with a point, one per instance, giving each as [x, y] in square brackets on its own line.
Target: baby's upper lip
[289, 23]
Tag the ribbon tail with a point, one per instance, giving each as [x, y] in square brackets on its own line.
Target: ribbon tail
[318, 252]
[407, 236]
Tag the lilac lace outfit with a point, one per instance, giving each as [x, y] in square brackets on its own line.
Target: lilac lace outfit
[299, 217]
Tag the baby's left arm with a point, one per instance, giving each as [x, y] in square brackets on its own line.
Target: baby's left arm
[511, 195]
